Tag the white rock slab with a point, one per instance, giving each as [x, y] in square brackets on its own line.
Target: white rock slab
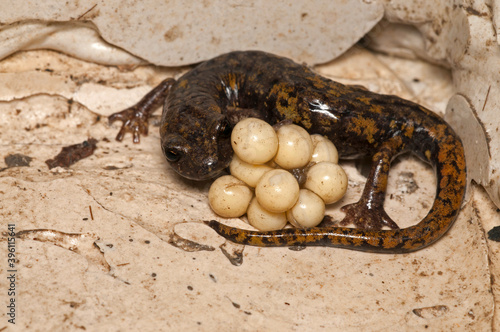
[120, 272]
[462, 35]
[73, 38]
[177, 32]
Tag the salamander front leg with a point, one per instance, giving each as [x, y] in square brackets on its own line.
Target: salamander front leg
[368, 212]
[135, 118]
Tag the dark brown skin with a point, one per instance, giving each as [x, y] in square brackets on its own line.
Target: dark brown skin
[203, 105]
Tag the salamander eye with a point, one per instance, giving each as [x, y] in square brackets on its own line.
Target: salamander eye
[224, 129]
[172, 154]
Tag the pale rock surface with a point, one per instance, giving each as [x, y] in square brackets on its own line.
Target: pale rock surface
[173, 33]
[99, 256]
[461, 35]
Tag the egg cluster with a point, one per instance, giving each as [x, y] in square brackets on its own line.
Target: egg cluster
[261, 184]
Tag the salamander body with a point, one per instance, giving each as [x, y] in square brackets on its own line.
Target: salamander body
[203, 105]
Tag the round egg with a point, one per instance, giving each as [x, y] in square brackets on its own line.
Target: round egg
[263, 219]
[229, 197]
[254, 141]
[277, 190]
[308, 211]
[248, 173]
[295, 147]
[327, 180]
[323, 150]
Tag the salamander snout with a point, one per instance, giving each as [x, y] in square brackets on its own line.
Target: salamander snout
[197, 161]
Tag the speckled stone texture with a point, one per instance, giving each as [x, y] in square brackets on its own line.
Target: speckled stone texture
[100, 244]
[103, 252]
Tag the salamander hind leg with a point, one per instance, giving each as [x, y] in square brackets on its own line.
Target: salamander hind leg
[368, 212]
[135, 118]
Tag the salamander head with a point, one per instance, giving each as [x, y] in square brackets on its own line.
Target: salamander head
[196, 143]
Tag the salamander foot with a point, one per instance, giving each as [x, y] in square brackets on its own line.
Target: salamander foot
[361, 216]
[135, 121]
[135, 118]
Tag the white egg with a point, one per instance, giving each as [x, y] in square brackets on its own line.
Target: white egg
[277, 190]
[324, 150]
[327, 180]
[229, 197]
[263, 219]
[248, 173]
[295, 147]
[308, 211]
[254, 141]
